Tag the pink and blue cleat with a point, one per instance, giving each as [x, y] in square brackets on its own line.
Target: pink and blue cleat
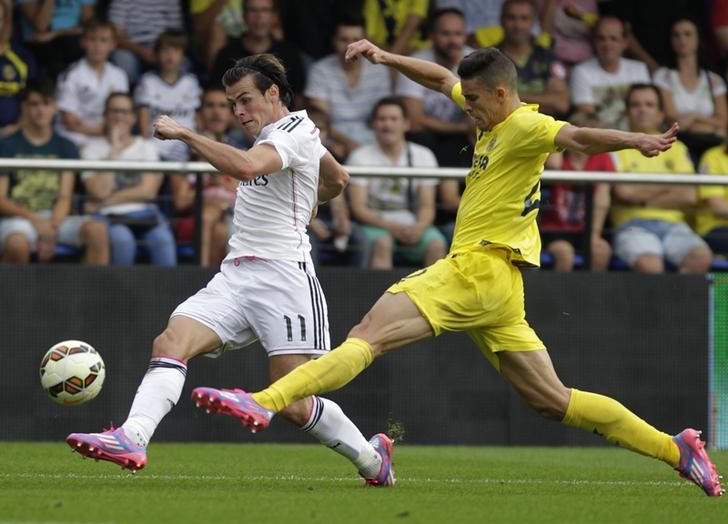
[695, 465]
[112, 445]
[235, 403]
[383, 445]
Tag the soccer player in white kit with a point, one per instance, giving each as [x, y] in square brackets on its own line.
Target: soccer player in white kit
[266, 289]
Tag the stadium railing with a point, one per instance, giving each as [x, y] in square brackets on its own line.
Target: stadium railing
[548, 177]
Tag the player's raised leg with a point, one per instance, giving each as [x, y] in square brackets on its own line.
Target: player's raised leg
[158, 392]
[533, 376]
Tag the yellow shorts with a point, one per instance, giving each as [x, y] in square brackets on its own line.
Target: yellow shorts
[479, 292]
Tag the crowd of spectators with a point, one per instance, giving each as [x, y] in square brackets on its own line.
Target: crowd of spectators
[87, 78]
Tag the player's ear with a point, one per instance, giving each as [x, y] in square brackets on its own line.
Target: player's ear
[273, 93]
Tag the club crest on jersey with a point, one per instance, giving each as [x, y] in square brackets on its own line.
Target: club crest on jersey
[490, 145]
[260, 180]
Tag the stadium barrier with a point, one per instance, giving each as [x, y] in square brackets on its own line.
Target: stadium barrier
[695, 327]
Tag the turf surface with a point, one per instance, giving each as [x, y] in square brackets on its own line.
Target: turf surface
[209, 483]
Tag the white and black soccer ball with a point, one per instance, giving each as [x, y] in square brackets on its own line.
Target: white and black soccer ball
[72, 372]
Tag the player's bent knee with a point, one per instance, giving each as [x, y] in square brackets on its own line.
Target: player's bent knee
[298, 413]
[168, 344]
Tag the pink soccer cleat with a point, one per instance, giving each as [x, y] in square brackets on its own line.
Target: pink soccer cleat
[695, 465]
[382, 445]
[236, 403]
[112, 445]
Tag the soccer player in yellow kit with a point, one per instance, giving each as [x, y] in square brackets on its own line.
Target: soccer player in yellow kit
[478, 287]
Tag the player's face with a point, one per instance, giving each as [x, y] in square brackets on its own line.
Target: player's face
[448, 37]
[684, 38]
[39, 110]
[517, 21]
[98, 45]
[390, 125]
[215, 112]
[643, 109]
[170, 58]
[482, 104]
[609, 41]
[345, 35]
[259, 17]
[253, 109]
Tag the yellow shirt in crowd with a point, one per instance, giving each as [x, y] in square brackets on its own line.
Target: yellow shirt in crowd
[713, 162]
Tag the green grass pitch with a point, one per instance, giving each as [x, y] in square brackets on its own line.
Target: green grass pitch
[291, 484]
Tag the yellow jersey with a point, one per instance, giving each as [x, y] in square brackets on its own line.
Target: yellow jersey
[713, 162]
[503, 187]
[377, 14]
[675, 160]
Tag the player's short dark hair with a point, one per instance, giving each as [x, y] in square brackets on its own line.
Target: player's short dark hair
[267, 70]
[389, 101]
[642, 87]
[40, 85]
[117, 94]
[491, 67]
[171, 38]
[94, 24]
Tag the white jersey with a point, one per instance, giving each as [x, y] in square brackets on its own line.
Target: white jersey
[179, 100]
[272, 211]
[82, 91]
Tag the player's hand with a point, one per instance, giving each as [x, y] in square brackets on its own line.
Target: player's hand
[167, 128]
[366, 49]
[653, 145]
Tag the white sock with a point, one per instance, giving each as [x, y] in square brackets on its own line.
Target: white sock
[159, 391]
[332, 427]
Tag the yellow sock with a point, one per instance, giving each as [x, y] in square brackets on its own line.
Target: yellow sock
[327, 373]
[610, 419]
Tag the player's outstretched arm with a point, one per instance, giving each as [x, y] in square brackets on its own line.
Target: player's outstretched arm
[243, 165]
[429, 74]
[591, 141]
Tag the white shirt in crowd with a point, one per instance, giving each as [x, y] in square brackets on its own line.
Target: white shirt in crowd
[179, 100]
[80, 90]
[590, 84]
[273, 210]
[139, 150]
[700, 99]
[393, 198]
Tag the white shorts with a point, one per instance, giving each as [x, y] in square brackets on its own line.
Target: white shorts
[69, 231]
[279, 302]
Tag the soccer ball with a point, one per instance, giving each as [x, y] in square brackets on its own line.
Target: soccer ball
[72, 372]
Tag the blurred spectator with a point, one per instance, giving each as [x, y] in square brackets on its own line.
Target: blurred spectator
[719, 27]
[647, 25]
[694, 96]
[436, 121]
[168, 91]
[139, 23]
[260, 18]
[127, 199]
[396, 25]
[84, 86]
[17, 66]
[570, 23]
[711, 217]
[347, 91]
[395, 212]
[599, 85]
[541, 78]
[332, 235]
[214, 22]
[37, 204]
[218, 190]
[482, 19]
[309, 25]
[650, 221]
[563, 208]
[51, 29]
